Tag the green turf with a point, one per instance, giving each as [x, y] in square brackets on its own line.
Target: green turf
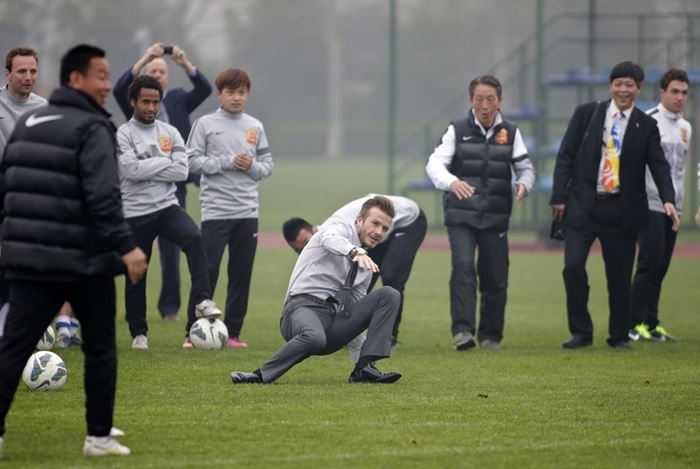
[313, 189]
[531, 404]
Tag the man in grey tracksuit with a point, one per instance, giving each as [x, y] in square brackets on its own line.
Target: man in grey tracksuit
[152, 159]
[327, 303]
[16, 98]
[229, 149]
[657, 240]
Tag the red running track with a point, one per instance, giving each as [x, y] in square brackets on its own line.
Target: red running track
[437, 242]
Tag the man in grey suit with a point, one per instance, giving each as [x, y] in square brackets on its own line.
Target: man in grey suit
[327, 302]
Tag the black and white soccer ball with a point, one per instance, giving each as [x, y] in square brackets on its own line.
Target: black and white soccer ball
[208, 334]
[45, 371]
[48, 339]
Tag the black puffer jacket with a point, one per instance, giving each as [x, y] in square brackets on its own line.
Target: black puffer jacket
[486, 166]
[59, 185]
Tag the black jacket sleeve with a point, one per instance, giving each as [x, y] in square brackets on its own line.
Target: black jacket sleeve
[199, 93]
[121, 93]
[566, 158]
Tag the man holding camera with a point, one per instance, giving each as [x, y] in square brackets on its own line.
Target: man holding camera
[175, 109]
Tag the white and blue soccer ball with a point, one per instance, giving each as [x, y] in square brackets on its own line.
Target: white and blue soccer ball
[45, 371]
[48, 339]
[208, 334]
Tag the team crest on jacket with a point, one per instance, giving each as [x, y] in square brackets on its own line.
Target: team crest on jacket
[684, 135]
[502, 137]
[251, 136]
[166, 144]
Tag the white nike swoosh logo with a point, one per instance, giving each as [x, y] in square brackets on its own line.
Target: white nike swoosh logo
[464, 139]
[33, 120]
[399, 234]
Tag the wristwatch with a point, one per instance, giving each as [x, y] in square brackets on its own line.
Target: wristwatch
[356, 252]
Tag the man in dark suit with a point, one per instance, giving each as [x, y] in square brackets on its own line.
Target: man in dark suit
[175, 109]
[599, 191]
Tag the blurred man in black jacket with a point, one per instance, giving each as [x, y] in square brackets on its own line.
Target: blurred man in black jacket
[64, 235]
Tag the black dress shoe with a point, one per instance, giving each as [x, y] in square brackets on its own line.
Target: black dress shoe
[577, 341]
[369, 374]
[241, 377]
[620, 344]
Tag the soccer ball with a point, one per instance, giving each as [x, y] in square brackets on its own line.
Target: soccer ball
[44, 371]
[48, 339]
[208, 334]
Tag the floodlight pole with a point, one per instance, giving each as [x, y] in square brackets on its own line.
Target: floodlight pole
[391, 131]
[540, 122]
[592, 20]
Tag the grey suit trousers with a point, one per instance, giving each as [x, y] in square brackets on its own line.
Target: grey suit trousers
[313, 327]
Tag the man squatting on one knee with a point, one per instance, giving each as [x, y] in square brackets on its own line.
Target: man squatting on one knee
[327, 303]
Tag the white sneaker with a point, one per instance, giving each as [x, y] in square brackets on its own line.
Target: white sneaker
[104, 446]
[1, 453]
[140, 342]
[115, 432]
[207, 309]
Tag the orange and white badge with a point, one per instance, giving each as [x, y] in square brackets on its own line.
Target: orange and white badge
[251, 136]
[502, 137]
[684, 135]
[166, 144]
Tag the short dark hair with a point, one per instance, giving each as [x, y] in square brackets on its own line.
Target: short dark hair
[78, 60]
[485, 80]
[292, 227]
[628, 69]
[673, 74]
[232, 78]
[141, 82]
[381, 202]
[23, 51]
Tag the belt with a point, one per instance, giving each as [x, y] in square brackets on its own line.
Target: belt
[607, 195]
[328, 301]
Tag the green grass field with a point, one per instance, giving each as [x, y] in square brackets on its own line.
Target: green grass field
[531, 404]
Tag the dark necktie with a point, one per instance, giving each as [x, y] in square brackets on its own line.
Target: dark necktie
[344, 295]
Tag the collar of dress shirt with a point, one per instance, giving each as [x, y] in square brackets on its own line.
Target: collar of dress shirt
[613, 110]
[496, 121]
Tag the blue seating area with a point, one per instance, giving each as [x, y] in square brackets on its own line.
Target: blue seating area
[579, 76]
[584, 76]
